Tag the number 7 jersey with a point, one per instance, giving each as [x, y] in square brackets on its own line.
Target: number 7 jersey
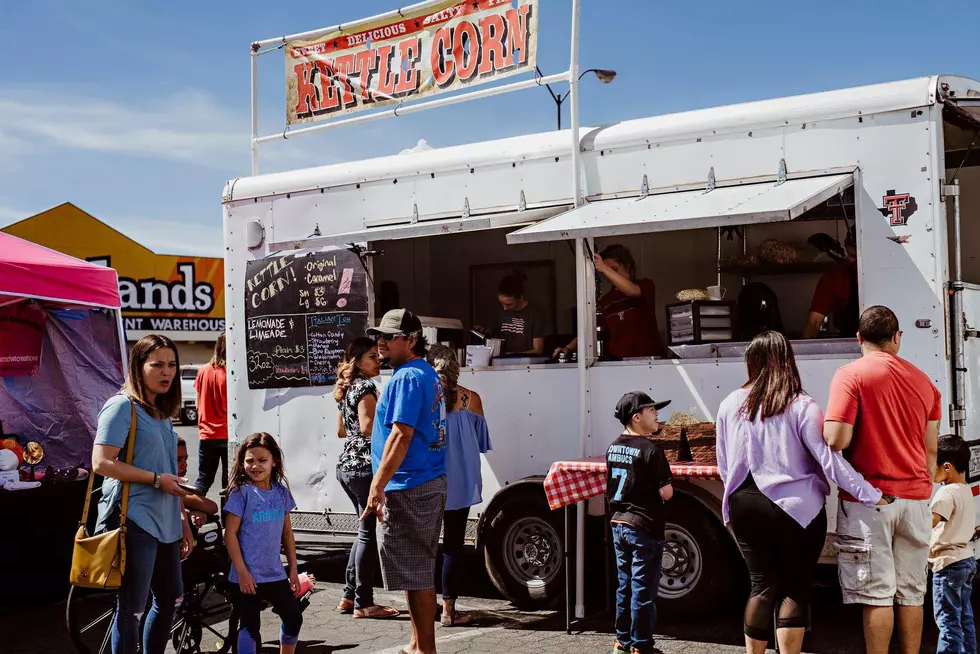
[636, 469]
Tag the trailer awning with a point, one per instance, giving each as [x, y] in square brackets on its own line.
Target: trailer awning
[722, 206]
[407, 229]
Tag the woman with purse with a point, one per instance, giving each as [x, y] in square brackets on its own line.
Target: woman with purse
[143, 497]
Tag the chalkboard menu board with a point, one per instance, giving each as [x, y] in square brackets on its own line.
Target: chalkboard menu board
[301, 309]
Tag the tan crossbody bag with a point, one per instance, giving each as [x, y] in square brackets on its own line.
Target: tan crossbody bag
[99, 561]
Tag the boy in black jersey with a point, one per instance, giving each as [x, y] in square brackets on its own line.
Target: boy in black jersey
[637, 486]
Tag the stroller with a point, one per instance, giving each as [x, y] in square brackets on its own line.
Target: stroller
[205, 619]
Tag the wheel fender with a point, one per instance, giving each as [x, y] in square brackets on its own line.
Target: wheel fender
[705, 498]
[526, 485]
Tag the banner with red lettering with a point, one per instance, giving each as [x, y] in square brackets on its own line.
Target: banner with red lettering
[21, 338]
[445, 47]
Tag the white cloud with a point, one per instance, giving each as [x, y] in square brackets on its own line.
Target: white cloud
[190, 126]
[192, 238]
[187, 126]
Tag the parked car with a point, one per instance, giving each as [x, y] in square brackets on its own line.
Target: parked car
[188, 402]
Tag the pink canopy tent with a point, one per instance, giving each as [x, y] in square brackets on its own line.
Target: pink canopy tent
[28, 270]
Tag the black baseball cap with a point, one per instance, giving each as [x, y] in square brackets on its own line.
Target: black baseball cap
[397, 321]
[634, 402]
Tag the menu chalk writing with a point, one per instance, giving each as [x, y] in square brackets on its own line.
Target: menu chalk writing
[301, 309]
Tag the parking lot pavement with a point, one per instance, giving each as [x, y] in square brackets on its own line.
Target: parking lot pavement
[499, 628]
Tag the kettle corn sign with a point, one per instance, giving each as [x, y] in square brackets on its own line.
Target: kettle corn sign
[442, 48]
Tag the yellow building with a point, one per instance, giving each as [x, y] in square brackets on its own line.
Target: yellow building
[180, 297]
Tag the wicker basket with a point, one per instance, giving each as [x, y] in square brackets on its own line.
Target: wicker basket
[692, 295]
[773, 251]
[673, 441]
[689, 443]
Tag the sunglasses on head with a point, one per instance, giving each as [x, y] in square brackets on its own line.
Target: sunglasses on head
[388, 337]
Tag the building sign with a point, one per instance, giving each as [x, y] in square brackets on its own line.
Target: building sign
[442, 48]
[181, 297]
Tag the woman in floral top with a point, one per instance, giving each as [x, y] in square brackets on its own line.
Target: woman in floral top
[356, 397]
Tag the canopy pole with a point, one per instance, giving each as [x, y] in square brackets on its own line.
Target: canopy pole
[123, 347]
[581, 272]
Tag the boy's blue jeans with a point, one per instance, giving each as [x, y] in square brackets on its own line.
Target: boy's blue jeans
[952, 588]
[638, 562]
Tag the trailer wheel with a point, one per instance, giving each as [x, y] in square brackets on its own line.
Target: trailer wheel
[700, 569]
[524, 551]
[189, 415]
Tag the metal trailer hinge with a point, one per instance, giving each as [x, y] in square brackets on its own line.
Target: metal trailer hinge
[951, 190]
[644, 187]
[957, 415]
[781, 176]
[466, 208]
[711, 180]
[522, 204]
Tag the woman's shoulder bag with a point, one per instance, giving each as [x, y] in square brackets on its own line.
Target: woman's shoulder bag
[99, 561]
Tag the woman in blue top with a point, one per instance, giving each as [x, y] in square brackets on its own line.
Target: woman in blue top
[157, 533]
[466, 438]
[357, 399]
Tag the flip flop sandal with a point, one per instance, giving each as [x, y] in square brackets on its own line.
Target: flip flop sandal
[346, 607]
[377, 612]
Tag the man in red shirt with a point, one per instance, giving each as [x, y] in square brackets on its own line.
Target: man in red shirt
[212, 406]
[884, 413]
[836, 295]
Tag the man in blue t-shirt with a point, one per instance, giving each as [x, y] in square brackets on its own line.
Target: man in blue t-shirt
[408, 493]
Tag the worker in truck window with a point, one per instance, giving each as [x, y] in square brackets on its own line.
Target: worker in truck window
[836, 295]
[521, 324]
[629, 309]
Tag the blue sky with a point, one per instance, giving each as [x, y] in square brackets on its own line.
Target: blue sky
[138, 112]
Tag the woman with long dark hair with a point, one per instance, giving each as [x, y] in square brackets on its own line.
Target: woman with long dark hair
[357, 397]
[467, 437]
[629, 308]
[776, 468]
[157, 533]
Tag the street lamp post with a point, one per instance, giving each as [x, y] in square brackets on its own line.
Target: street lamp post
[604, 75]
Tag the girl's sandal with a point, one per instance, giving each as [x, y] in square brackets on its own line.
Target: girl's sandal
[346, 606]
[377, 611]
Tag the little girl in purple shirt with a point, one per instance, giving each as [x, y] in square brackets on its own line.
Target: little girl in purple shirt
[257, 525]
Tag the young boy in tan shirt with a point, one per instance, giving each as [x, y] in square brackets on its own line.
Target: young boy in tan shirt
[951, 553]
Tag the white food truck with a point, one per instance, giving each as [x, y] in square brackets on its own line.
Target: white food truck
[899, 160]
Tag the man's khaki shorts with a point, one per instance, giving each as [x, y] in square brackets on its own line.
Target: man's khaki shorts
[883, 552]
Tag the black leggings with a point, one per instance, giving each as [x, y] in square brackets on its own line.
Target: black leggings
[280, 596]
[781, 557]
[453, 538]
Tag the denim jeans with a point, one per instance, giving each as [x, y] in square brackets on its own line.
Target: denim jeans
[210, 454]
[638, 562]
[150, 566]
[952, 588]
[363, 562]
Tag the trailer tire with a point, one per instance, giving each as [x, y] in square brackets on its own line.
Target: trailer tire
[701, 567]
[524, 550]
[188, 416]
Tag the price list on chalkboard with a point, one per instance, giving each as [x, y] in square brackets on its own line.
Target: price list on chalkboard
[301, 309]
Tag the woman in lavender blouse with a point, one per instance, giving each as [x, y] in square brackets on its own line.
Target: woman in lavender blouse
[776, 469]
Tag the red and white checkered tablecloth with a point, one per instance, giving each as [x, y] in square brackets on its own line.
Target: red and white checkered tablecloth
[571, 482]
